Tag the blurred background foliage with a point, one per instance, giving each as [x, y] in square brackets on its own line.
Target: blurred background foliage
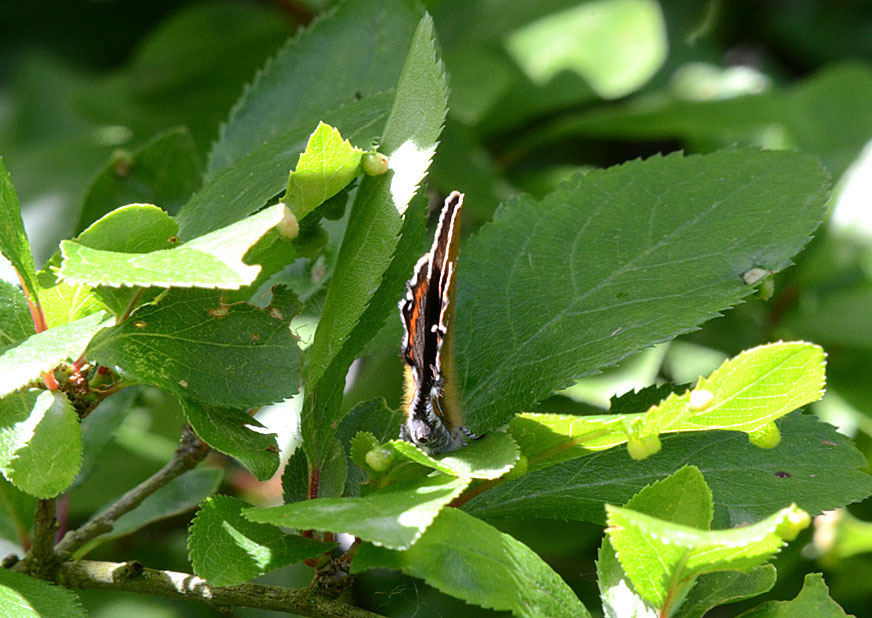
[540, 90]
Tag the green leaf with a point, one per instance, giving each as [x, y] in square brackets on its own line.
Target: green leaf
[40, 442]
[42, 351]
[232, 432]
[326, 166]
[746, 393]
[333, 471]
[394, 518]
[15, 321]
[802, 116]
[619, 597]
[714, 589]
[22, 596]
[295, 477]
[190, 344]
[552, 291]
[360, 48]
[813, 600]
[659, 555]
[489, 457]
[244, 186]
[371, 237]
[181, 494]
[16, 513]
[13, 238]
[373, 416]
[589, 40]
[210, 261]
[839, 318]
[814, 466]
[682, 498]
[469, 559]
[63, 303]
[165, 171]
[361, 444]
[226, 549]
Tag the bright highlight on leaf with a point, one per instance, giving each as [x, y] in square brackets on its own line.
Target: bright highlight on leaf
[487, 458]
[39, 433]
[23, 596]
[234, 433]
[210, 261]
[227, 549]
[326, 166]
[395, 518]
[471, 560]
[42, 351]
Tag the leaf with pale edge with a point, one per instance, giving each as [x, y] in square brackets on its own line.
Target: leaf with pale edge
[325, 167]
[682, 498]
[136, 228]
[42, 351]
[40, 442]
[813, 600]
[746, 393]
[232, 432]
[394, 518]
[471, 560]
[813, 465]
[210, 261]
[371, 237]
[13, 238]
[654, 552]
[22, 596]
[227, 549]
[181, 494]
[489, 457]
[191, 345]
[616, 260]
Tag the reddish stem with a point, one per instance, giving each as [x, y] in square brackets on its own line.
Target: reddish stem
[36, 313]
[314, 481]
[50, 382]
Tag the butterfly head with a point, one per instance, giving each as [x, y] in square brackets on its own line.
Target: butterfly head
[425, 428]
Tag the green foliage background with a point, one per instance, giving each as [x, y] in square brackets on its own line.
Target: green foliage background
[83, 84]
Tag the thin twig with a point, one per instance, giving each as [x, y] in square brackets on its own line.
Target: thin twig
[190, 452]
[133, 577]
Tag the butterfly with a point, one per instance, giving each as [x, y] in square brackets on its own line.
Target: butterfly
[433, 416]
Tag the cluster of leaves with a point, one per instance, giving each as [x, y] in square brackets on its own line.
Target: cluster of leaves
[551, 290]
